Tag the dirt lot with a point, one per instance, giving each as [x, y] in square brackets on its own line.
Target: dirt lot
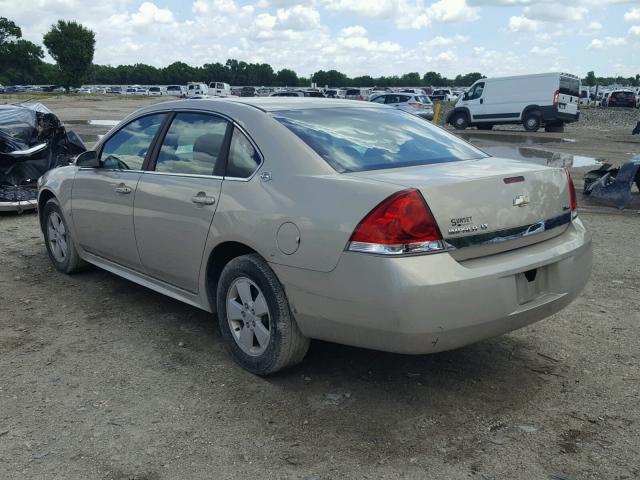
[101, 378]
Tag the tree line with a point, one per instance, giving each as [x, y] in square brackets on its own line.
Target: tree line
[72, 46]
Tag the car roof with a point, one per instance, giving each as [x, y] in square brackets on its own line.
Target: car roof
[270, 104]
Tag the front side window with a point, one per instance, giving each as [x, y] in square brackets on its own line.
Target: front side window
[243, 158]
[360, 139]
[476, 91]
[192, 144]
[127, 149]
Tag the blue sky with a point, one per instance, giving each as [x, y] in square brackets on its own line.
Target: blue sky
[377, 37]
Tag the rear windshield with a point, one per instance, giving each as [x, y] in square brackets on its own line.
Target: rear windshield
[423, 99]
[353, 92]
[154, 89]
[569, 86]
[313, 94]
[360, 139]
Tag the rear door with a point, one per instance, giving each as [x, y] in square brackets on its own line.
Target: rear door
[568, 95]
[102, 198]
[178, 196]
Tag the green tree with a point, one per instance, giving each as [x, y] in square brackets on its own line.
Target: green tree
[20, 60]
[590, 80]
[286, 78]
[72, 46]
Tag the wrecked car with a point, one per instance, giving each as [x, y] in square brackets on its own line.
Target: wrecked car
[32, 141]
[613, 184]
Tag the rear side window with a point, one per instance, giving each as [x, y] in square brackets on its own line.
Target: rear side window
[127, 149]
[192, 145]
[569, 86]
[360, 139]
[243, 157]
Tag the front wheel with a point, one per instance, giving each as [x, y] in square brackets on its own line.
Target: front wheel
[460, 121]
[254, 317]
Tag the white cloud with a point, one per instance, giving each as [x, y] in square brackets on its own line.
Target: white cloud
[149, 13]
[545, 12]
[297, 18]
[632, 15]
[522, 24]
[544, 52]
[606, 42]
[634, 31]
[444, 41]
[407, 14]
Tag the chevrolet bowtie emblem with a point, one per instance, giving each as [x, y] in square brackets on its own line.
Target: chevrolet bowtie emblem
[520, 201]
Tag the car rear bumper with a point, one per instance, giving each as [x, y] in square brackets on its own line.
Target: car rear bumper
[430, 303]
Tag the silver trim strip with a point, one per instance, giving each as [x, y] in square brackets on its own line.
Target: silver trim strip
[505, 235]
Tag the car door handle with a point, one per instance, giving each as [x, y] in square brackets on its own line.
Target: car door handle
[122, 188]
[203, 199]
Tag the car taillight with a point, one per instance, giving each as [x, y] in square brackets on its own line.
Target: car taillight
[400, 224]
[555, 99]
[573, 200]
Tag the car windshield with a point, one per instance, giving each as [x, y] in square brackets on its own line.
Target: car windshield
[360, 139]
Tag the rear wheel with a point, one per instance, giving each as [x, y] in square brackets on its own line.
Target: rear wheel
[254, 317]
[460, 121]
[531, 121]
[57, 237]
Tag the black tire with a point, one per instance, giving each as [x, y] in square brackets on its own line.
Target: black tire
[71, 261]
[532, 121]
[484, 126]
[286, 346]
[460, 121]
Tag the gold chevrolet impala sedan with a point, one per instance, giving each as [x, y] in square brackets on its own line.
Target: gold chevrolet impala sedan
[301, 218]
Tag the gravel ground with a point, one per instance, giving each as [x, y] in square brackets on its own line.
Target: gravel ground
[101, 378]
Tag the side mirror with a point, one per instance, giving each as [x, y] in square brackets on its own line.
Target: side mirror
[88, 159]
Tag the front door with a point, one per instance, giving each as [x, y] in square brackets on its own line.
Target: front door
[474, 99]
[102, 198]
[177, 198]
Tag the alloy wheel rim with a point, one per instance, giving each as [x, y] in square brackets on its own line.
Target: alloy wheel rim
[57, 236]
[248, 316]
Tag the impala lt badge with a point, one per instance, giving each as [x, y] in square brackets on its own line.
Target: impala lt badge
[521, 201]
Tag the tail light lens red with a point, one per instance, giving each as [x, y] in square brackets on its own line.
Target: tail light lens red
[400, 224]
[573, 200]
[555, 99]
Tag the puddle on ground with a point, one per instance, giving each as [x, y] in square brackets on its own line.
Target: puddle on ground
[476, 137]
[536, 155]
[89, 137]
[97, 123]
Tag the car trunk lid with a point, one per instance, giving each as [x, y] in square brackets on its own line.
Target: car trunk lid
[488, 206]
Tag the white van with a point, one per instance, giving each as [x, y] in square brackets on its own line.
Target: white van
[194, 88]
[157, 91]
[219, 88]
[549, 99]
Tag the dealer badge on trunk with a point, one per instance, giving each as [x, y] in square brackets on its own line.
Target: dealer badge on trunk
[465, 225]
